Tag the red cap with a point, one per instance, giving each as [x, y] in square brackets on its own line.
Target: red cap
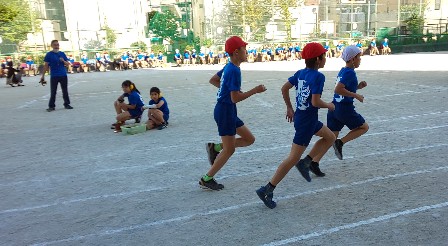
[234, 43]
[312, 50]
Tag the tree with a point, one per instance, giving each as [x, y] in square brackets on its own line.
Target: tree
[140, 45]
[7, 13]
[254, 14]
[111, 37]
[165, 26]
[283, 7]
[412, 18]
[93, 45]
[16, 22]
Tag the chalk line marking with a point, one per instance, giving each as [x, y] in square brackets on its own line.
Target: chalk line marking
[80, 200]
[235, 207]
[357, 224]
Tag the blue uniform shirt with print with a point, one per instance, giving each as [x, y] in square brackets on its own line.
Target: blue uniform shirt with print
[346, 76]
[164, 108]
[135, 98]
[307, 82]
[57, 67]
[230, 81]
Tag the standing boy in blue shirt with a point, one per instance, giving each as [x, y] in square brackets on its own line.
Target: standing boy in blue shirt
[229, 94]
[56, 61]
[309, 84]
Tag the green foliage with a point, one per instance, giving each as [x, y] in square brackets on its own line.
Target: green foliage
[7, 12]
[412, 17]
[16, 21]
[207, 43]
[111, 37]
[284, 6]
[151, 15]
[158, 47]
[93, 45]
[165, 25]
[252, 13]
[140, 45]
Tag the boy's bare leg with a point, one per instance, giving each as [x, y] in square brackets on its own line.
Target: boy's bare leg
[322, 145]
[286, 165]
[355, 133]
[228, 148]
[246, 138]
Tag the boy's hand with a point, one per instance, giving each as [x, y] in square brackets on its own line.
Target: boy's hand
[330, 106]
[290, 115]
[260, 89]
[359, 97]
[362, 84]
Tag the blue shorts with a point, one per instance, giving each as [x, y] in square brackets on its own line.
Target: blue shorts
[306, 126]
[344, 115]
[226, 119]
[135, 113]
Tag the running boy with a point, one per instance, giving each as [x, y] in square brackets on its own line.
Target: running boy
[225, 113]
[344, 93]
[133, 110]
[159, 112]
[309, 84]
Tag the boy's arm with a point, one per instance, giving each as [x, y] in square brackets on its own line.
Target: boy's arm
[319, 103]
[238, 96]
[215, 80]
[361, 85]
[44, 70]
[289, 109]
[340, 89]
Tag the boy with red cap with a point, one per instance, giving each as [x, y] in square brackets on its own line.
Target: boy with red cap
[228, 80]
[309, 84]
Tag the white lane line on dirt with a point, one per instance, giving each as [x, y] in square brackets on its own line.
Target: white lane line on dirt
[357, 224]
[80, 200]
[46, 97]
[236, 207]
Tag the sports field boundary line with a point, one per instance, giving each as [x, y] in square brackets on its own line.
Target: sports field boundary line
[357, 224]
[235, 207]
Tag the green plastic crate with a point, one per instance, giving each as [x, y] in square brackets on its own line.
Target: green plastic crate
[133, 129]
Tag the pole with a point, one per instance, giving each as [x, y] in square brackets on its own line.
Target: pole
[399, 13]
[368, 17]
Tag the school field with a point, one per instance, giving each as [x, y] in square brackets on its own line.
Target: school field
[67, 179]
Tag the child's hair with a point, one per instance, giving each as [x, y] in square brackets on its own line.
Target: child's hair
[311, 63]
[131, 85]
[156, 90]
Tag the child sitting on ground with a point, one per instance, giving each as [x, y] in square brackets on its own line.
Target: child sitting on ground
[159, 112]
[132, 110]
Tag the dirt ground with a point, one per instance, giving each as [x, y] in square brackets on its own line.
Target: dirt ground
[67, 179]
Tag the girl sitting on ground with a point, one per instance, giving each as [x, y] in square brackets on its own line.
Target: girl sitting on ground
[132, 110]
[159, 112]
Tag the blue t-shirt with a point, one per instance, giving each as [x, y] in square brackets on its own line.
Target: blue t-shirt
[230, 81]
[346, 76]
[193, 55]
[57, 67]
[29, 62]
[385, 44]
[307, 82]
[165, 110]
[160, 57]
[84, 60]
[140, 56]
[177, 56]
[134, 98]
[187, 55]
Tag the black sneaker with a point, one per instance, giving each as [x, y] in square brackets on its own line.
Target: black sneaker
[337, 146]
[266, 197]
[314, 168]
[68, 107]
[163, 126]
[210, 185]
[50, 109]
[211, 152]
[138, 119]
[304, 168]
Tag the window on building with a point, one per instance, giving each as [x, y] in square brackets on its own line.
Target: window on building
[437, 5]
